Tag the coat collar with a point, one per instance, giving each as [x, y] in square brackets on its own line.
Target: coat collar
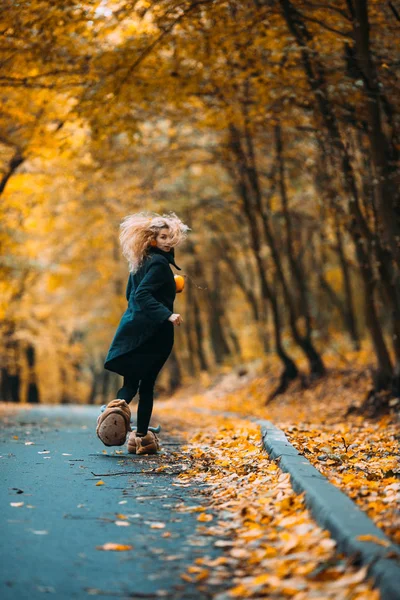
[170, 256]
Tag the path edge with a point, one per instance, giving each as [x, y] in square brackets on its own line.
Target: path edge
[330, 507]
[336, 512]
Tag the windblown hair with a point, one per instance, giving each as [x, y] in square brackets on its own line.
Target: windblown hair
[137, 231]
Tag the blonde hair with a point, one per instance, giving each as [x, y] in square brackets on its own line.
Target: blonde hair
[137, 231]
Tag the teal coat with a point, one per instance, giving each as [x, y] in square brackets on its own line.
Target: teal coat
[150, 293]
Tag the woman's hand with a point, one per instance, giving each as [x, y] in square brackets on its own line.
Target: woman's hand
[176, 319]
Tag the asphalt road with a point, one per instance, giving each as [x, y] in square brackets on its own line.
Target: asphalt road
[49, 544]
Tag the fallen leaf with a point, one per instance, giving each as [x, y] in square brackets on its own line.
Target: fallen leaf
[205, 517]
[240, 591]
[239, 553]
[328, 543]
[204, 574]
[15, 437]
[157, 526]
[223, 543]
[186, 577]
[100, 482]
[46, 589]
[374, 539]
[351, 579]
[115, 547]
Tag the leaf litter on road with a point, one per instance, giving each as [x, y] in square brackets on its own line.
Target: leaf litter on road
[271, 545]
[358, 455]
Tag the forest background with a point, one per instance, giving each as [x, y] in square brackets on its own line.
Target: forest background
[271, 127]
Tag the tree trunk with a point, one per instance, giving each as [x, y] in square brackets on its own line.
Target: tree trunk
[11, 373]
[8, 386]
[217, 335]
[13, 165]
[349, 316]
[223, 250]
[290, 371]
[198, 327]
[175, 374]
[33, 390]
[94, 390]
[386, 186]
[259, 314]
[358, 228]
[317, 368]
[235, 341]
[106, 381]
[294, 263]
[190, 331]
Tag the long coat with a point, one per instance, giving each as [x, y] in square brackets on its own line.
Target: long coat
[150, 293]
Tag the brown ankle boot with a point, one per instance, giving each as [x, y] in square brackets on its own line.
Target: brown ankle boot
[148, 444]
[132, 442]
[114, 423]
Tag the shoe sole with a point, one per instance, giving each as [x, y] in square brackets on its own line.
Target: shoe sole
[131, 449]
[144, 450]
[112, 431]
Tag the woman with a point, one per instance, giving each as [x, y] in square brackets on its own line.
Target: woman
[145, 335]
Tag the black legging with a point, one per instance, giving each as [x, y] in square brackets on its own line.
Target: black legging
[140, 369]
[145, 386]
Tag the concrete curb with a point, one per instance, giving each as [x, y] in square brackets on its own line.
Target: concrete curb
[332, 509]
[336, 512]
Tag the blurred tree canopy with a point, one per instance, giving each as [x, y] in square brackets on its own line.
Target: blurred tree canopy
[271, 127]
